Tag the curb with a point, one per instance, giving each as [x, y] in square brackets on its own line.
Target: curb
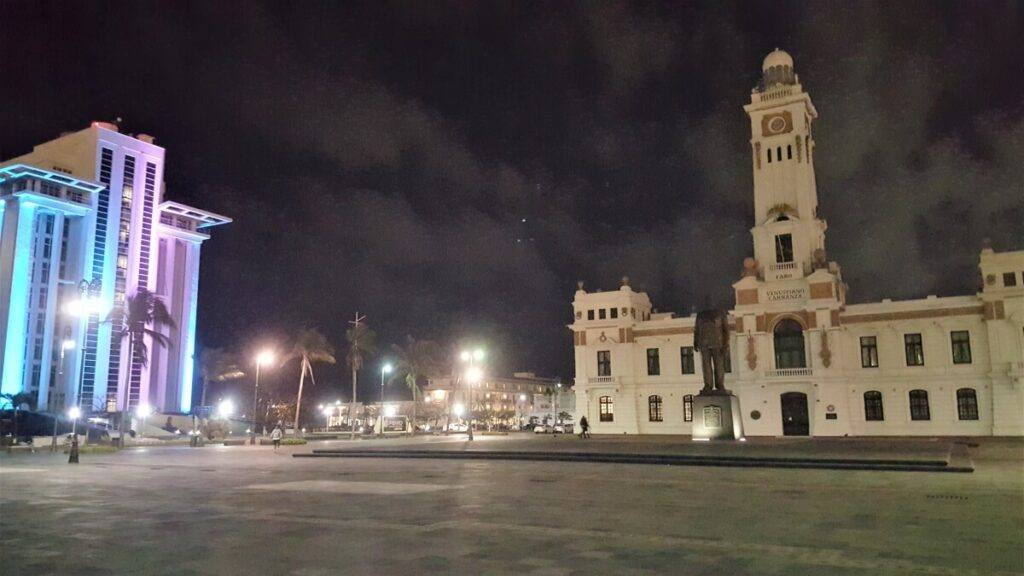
[656, 459]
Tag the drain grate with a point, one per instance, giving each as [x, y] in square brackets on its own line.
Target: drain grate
[543, 480]
[945, 497]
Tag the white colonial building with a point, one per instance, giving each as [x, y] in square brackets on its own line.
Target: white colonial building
[803, 361]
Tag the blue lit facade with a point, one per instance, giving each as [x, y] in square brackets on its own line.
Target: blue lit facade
[87, 210]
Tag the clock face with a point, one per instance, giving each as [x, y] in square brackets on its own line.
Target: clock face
[780, 123]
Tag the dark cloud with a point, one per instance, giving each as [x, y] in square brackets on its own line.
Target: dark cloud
[384, 157]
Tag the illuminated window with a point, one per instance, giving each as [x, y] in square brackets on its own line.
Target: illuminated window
[873, 411]
[967, 404]
[919, 405]
[688, 408]
[654, 408]
[607, 409]
[914, 348]
[960, 340]
[789, 345]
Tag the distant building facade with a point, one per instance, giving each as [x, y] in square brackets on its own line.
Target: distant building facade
[84, 221]
[500, 400]
[802, 360]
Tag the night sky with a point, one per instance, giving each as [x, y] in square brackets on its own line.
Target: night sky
[452, 169]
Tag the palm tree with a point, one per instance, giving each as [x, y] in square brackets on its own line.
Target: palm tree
[16, 400]
[362, 343]
[142, 310]
[310, 346]
[217, 365]
[417, 360]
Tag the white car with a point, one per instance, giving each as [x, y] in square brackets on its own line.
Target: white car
[540, 429]
[457, 427]
[558, 429]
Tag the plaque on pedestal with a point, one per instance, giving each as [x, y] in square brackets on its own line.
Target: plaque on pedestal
[717, 417]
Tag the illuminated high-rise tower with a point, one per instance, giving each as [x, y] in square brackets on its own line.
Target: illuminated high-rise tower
[128, 239]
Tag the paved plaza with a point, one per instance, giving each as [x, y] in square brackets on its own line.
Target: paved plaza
[250, 510]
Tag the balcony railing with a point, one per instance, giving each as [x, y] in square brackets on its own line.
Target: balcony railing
[782, 266]
[787, 372]
[602, 380]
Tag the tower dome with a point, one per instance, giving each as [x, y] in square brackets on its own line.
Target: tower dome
[777, 68]
[777, 57]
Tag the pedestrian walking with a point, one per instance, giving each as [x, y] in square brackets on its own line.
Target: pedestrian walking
[584, 428]
[275, 436]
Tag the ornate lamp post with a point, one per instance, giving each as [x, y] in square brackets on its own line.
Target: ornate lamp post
[264, 357]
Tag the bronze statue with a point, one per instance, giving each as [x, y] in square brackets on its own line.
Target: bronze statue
[711, 339]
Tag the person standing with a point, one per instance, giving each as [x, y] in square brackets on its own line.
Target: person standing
[584, 428]
[276, 436]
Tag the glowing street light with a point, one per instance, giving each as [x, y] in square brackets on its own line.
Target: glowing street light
[384, 370]
[473, 375]
[264, 358]
[390, 410]
[225, 409]
[459, 410]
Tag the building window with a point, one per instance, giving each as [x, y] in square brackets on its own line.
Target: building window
[967, 404]
[727, 361]
[961, 342]
[601, 314]
[614, 312]
[868, 352]
[789, 345]
[919, 405]
[590, 314]
[688, 408]
[686, 354]
[914, 348]
[778, 153]
[1009, 278]
[769, 155]
[873, 411]
[654, 408]
[653, 362]
[784, 248]
[607, 413]
[789, 151]
[604, 363]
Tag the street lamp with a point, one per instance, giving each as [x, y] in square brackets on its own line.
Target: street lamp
[88, 304]
[142, 411]
[74, 413]
[263, 358]
[473, 375]
[225, 409]
[385, 369]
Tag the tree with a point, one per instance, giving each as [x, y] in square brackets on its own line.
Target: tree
[417, 360]
[141, 311]
[362, 343]
[16, 400]
[217, 365]
[311, 346]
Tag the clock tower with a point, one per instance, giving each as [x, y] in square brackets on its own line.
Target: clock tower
[787, 232]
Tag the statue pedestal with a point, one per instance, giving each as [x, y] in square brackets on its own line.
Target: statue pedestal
[717, 416]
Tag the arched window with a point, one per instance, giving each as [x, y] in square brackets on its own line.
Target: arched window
[769, 155]
[688, 408]
[919, 405]
[967, 404]
[607, 413]
[778, 153]
[789, 151]
[789, 345]
[873, 411]
[654, 408]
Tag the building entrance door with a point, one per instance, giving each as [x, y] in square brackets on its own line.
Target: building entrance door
[795, 421]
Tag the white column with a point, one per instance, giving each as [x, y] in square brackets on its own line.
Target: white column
[15, 257]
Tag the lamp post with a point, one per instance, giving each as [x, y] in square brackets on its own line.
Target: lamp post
[473, 374]
[264, 357]
[88, 304]
[385, 369]
[142, 411]
[74, 412]
[66, 344]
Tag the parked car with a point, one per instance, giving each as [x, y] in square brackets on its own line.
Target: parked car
[540, 429]
[558, 429]
[458, 427]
